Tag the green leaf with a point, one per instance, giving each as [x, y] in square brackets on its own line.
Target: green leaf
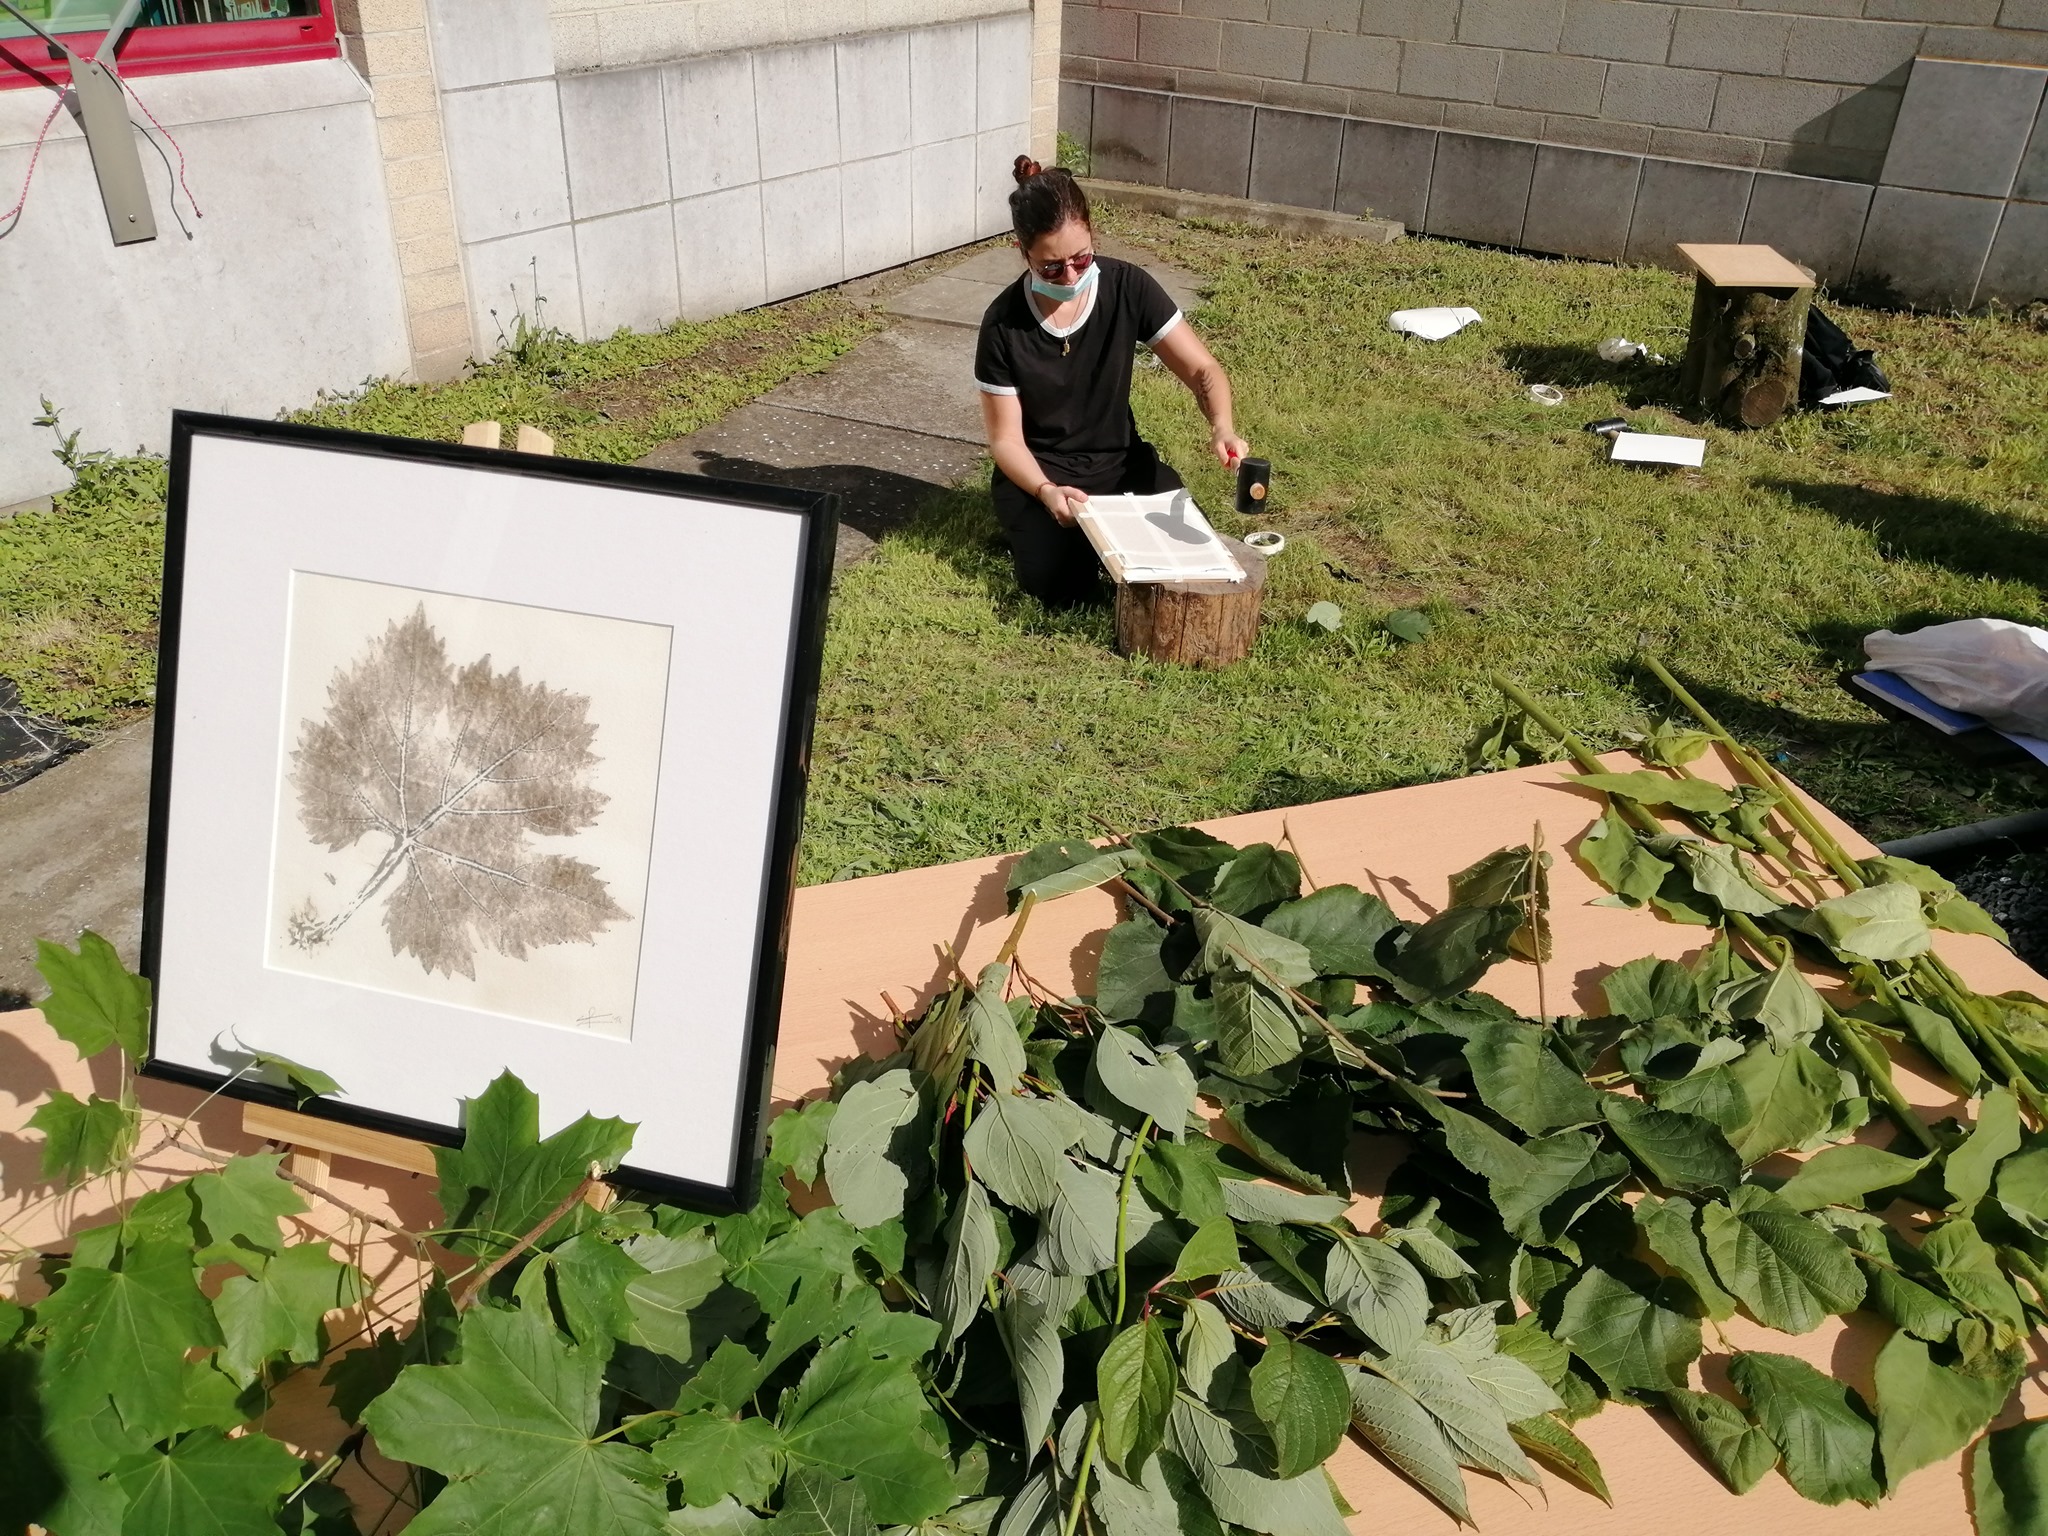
[1650, 988]
[1138, 1077]
[1078, 1235]
[1619, 860]
[1646, 788]
[1258, 877]
[94, 1001]
[1303, 1138]
[1970, 1167]
[1256, 1202]
[208, 1483]
[360, 1376]
[1300, 1506]
[870, 1145]
[512, 1427]
[241, 1205]
[1783, 1001]
[1879, 922]
[1453, 950]
[1212, 1250]
[1468, 1415]
[1327, 617]
[2023, 1189]
[1298, 1393]
[1739, 1452]
[1671, 1229]
[1969, 1267]
[1959, 914]
[1016, 1147]
[1521, 1079]
[1785, 1267]
[1340, 926]
[1085, 876]
[718, 1458]
[1791, 1095]
[798, 1138]
[853, 1415]
[1183, 1179]
[1718, 871]
[1927, 1412]
[1680, 1151]
[123, 1334]
[1034, 1309]
[1631, 1328]
[1712, 1094]
[1384, 1295]
[31, 1482]
[278, 1312]
[1134, 1386]
[1231, 944]
[1937, 1035]
[992, 1037]
[1820, 1426]
[971, 1250]
[1401, 1429]
[304, 1082]
[1261, 1295]
[2009, 1480]
[1555, 1446]
[818, 1504]
[1409, 625]
[505, 1178]
[82, 1138]
[1131, 973]
[1256, 1028]
[1541, 1186]
[680, 1274]
[1845, 1174]
[1045, 859]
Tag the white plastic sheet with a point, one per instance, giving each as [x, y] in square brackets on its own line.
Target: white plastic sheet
[1658, 448]
[1992, 668]
[1432, 324]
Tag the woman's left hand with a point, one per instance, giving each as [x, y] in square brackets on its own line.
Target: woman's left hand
[1228, 448]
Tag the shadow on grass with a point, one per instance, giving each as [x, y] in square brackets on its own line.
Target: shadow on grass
[1640, 384]
[958, 525]
[874, 501]
[1942, 530]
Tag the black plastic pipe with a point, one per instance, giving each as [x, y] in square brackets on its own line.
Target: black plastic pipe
[2027, 829]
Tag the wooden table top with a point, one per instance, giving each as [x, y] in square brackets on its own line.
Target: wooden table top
[1745, 266]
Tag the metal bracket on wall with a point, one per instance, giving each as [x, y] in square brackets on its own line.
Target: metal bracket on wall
[102, 109]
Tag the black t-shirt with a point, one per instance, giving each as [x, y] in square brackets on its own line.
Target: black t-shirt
[1075, 388]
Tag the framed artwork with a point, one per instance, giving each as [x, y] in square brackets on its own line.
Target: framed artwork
[469, 761]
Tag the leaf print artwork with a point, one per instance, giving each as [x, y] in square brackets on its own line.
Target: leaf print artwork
[465, 800]
[451, 771]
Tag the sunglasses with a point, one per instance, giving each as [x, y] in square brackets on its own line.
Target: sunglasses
[1052, 269]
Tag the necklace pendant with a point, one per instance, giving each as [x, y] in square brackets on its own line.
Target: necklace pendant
[1066, 347]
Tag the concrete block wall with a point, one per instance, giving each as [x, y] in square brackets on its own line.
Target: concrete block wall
[609, 197]
[612, 34]
[1809, 87]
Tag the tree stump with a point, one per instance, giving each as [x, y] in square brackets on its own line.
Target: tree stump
[1196, 623]
[1748, 337]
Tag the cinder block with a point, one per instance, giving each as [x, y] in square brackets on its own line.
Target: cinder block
[1414, 21]
[1297, 97]
[652, 33]
[1358, 63]
[1531, 24]
[942, 195]
[1189, 42]
[489, 42]
[1098, 33]
[711, 139]
[575, 42]
[616, 147]
[505, 159]
[1450, 72]
[1853, 52]
[1322, 15]
[1580, 203]
[874, 94]
[1929, 246]
[875, 212]
[1270, 52]
[942, 60]
[1497, 122]
[1131, 131]
[1002, 71]
[1596, 133]
[1077, 110]
[1385, 107]
[1137, 77]
[1791, 110]
[798, 117]
[406, 95]
[2016, 272]
[1479, 188]
[1219, 86]
[1864, 119]
[1385, 170]
[1817, 223]
[1967, 13]
[2032, 181]
[718, 252]
[1229, 10]
[1552, 82]
[1294, 158]
[995, 159]
[437, 252]
[2000, 47]
[1617, 29]
[626, 266]
[800, 232]
[1680, 202]
[1828, 162]
[1963, 127]
[1661, 97]
[2026, 14]
[382, 54]
[1211, 148]
[531, 274]
[1735, 42]
[1707, 148]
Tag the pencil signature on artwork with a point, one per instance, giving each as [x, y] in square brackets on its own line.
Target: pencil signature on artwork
[452, 770]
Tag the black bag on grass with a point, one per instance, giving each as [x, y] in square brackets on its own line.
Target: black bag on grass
[1833, 362]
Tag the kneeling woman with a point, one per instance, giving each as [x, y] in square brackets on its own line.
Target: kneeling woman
[1054, 368]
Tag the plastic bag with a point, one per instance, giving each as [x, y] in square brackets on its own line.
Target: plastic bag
[1432, 324]
[1987, 667]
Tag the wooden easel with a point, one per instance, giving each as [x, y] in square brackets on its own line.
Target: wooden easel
[313, 1144]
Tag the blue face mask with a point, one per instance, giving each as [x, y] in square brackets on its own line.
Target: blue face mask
[1063, 292]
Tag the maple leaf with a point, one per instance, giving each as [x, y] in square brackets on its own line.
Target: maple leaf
[454, 769]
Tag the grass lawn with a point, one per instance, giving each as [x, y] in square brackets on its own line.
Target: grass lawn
[958, 718]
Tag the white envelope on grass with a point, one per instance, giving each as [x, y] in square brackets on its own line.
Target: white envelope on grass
[1658, 448]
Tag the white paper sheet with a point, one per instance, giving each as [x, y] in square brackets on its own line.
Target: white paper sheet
[1856, 396]
[1157, 538]
[1432, 324]
[1658, 448]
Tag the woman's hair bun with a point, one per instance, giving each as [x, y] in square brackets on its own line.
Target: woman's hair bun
[1025, 168]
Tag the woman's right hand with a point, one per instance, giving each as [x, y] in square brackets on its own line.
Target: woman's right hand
[1062, 501]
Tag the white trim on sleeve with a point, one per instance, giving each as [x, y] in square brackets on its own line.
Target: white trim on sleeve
[1160, 334]
[994, 389]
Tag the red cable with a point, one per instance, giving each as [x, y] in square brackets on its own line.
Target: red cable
[160, 128]
[13, 215]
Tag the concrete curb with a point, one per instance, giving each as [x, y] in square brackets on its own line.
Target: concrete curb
[1238, 210]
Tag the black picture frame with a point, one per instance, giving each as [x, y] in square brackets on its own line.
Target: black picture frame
[819, 513]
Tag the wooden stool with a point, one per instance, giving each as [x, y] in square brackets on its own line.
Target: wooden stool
[1196, 623]
[1748, 332]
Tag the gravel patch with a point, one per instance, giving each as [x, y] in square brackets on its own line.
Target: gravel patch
[2014, 890]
